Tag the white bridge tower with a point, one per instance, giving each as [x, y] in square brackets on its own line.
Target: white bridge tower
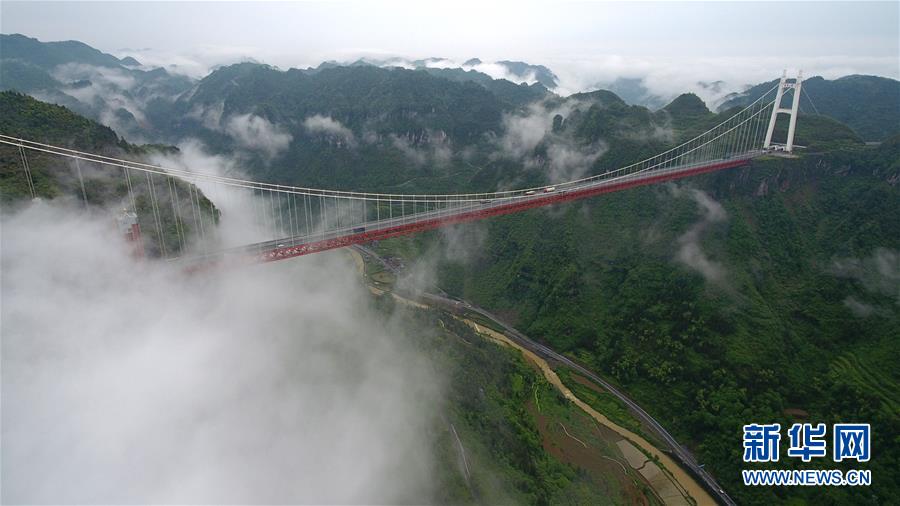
[785, 85]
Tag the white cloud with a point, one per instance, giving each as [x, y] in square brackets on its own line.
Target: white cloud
[196, 62]
[106, 94]
[494, 70]
[858, 308]
[877, 273]
[249, 131]
[425, 147]
[105, 76]
[570, 160]
[260, 385]
[331, 127]
[237, 227]
[567, 159]
[523, 132]
[255, 133]
[210, 117]
[690, 252]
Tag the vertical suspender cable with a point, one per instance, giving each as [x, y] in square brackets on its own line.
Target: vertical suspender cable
[173, 196]
[81, 181]
[290, 199]
[27, 169]
[200, 213]
[155, 210]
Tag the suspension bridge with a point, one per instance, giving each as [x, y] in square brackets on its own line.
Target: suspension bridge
[168, 208]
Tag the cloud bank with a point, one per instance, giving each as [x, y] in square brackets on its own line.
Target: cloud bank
[106, 90]
[565, 158]
[249, 131]
[877, 274]
[425, 147]
[130, 382]
[690, 252]
[319, 124]
[256, 133]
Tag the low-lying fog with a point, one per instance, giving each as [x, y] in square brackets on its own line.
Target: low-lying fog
[131, 382]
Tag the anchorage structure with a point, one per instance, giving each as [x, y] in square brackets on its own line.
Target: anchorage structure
[177, 209]
[783, 86]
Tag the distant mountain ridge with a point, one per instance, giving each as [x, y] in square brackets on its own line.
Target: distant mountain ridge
[114, 91]
[744, 294]
[515, 71]
[142, 104]
[50, 54]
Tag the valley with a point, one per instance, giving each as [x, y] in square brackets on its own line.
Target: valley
[538, 293]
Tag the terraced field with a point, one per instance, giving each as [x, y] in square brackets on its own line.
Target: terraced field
[852, 369]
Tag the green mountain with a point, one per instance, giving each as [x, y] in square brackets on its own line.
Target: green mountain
[91, 83]
[47, 55]
[540, 73]
[53, 177]
[870, 105]
[512, 94]
[684, 313]
[518, 71]
[634, 91]
[497, 413]
[504, 435]
[763, 294]
[358, 96]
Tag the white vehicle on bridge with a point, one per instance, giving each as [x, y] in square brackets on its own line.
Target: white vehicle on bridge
[549, 189]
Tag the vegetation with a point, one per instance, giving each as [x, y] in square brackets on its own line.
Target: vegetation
[783, 330]
[762, 294]
[870, 105]
[509, 422]
[25, 117]
[61, 71]
[798, 320]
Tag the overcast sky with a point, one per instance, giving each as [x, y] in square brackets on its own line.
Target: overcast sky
[585, 41]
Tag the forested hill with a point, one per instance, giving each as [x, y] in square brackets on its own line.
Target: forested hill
[50, 54]
[408, 130]
[356, 96]
[23, 116]
[32, 119]
[105, 188]
[769, 293]
[117, 92]
[870, 105]
[763, 294]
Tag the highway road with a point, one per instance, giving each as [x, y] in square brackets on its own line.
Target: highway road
[681, 453]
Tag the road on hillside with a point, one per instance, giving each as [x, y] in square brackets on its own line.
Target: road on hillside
[682, 454]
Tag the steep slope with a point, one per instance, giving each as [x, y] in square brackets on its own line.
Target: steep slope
[350, 127]
[515, 95]
[502, 433]
[768, 294]
[356, 96]
[104, 189]
[47, 55]
[90, 82]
